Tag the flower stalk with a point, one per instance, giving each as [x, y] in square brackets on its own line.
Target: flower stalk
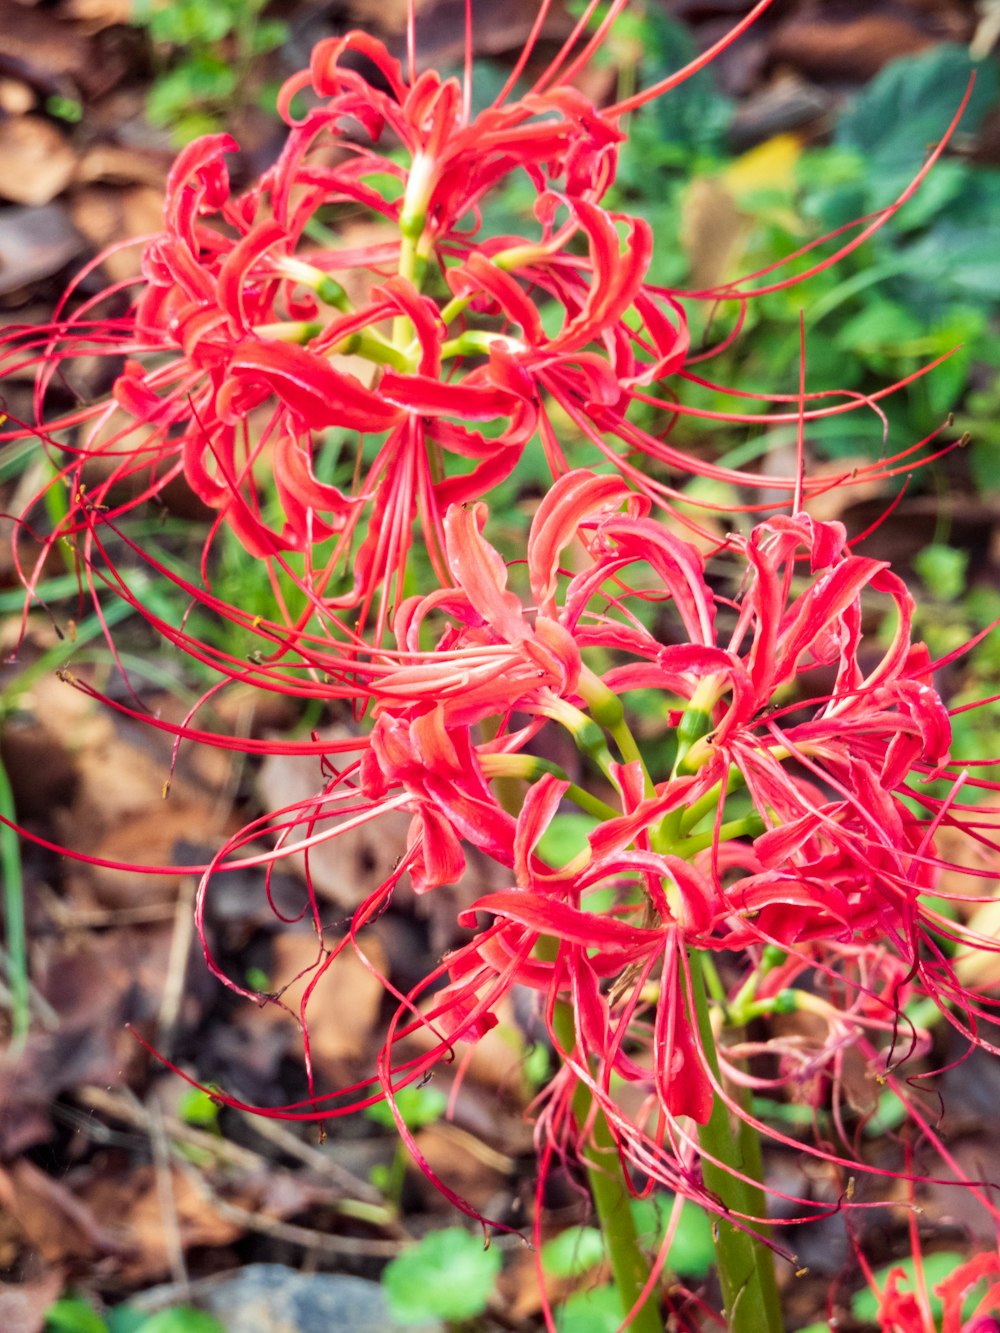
[732, 1166]
[609, 1191]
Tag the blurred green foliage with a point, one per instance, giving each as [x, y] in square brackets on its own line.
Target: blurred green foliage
[205, 54]
[449, 1274]
[73, 1315]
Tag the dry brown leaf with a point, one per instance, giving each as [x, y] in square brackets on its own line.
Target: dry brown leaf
[95, 983]
[713, 231]
[979, 968]
[496, 1060]
[470, 1167]
[519, 1284]
[16, 97]
[98, 14]
[117, 164]
[37, 161]
[856, 49]
[107, 215]
[48, 53]
[56, 1222]
[345, 868]
[132, 1206]
[348, 866]
[35, 243]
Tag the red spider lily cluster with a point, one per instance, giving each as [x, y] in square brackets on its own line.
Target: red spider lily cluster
[819, 882]
[764, 766]
[325, 399]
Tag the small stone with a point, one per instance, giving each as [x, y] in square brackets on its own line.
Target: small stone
[270, 1298]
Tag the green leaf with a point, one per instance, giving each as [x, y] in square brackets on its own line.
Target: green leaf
[943, 570]
[910, 105]
[573, 1252]
[190, 23]
[198, 1107]
[598, 1310]
[126, 1319]
[692, 1252]
[448, 1275]
[417, 1106]
[880, 325]
[890, 1112]
[183, 90]
[268, 36]
[181, 1320]
[960, 256]
[64, 108]
[72, 1315]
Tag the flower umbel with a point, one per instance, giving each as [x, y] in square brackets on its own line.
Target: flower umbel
[777, 826]
[326, 394]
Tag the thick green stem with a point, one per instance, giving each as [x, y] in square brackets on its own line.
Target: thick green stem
[610, 1193]
[611, 1200]
[13, 916]
[745, 1262]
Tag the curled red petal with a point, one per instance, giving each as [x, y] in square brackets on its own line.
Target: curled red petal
[310, 387]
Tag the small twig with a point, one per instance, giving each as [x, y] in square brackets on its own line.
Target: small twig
[987, 31]
[322, 1242]
[165, 1191]
[75, 918]
[43, 1011]
[177, 965]
[287, 1142]
[124, 1106]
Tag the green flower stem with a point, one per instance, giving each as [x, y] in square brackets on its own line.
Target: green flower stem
[587, 735]
[326, 287]
[529, 768]
[13, 917]
[593, 805]
[475, 342]
[749, 826]
[375, 348]
[611, 1200]
[367, 343]
[610, 1193]
[693, 814]
[745, 1262]
[455, 307]
[608, 712]
[297, 331]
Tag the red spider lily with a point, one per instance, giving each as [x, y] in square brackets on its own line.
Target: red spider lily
[236, 342]
[784, 817]
[830, 865]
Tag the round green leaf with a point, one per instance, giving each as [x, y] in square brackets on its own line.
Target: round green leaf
[449, 1275]
[573, 1252]
[692, 1253]
[71, 1315]
[181, 1320]
[417, 1106]
[598, 1310]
